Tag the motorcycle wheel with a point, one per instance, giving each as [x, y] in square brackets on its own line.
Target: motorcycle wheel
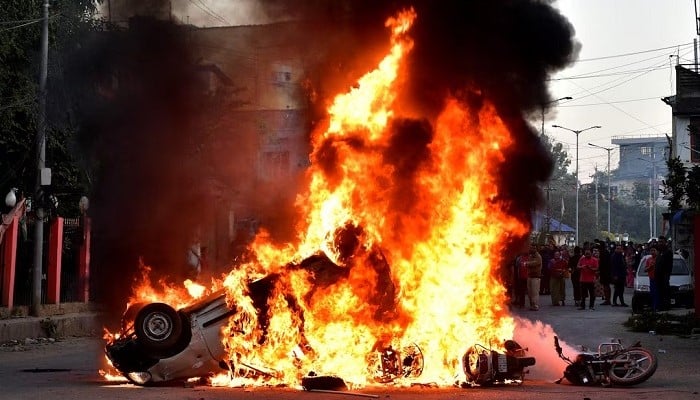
[634, 365]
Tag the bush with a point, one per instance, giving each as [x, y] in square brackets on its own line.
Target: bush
[663, 323]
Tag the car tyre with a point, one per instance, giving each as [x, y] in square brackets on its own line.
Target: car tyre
[160, 330]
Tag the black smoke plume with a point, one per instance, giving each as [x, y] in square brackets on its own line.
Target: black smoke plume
[143, 126]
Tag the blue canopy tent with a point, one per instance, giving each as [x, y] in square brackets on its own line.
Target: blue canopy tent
[559, 231]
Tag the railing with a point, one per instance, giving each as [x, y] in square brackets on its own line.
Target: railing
[65, 272]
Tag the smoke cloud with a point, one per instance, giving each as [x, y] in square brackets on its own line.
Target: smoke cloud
[144, 130]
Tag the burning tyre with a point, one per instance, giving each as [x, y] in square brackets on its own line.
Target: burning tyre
[387, 364]
[486, 367]
[159, 329]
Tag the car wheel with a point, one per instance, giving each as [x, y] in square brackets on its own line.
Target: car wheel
[159, 329]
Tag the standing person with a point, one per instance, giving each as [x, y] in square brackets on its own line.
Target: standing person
[534, 273]
[604, 272]
[588, 268]
[575, 274]
[618, 266]
[558, 267]
[547, 253]
[520, 279]
[664, 266]
[650, 268]
[631, 260]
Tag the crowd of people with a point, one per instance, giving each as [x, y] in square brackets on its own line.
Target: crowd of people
[596, 269]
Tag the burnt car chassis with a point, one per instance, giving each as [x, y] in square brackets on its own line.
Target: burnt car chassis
[158, 344]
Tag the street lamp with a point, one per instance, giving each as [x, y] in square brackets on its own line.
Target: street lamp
[548, 103]
[549, 189]
[652, 198]
[577, 132]
[608, 149]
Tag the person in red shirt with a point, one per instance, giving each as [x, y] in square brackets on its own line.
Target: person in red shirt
[650, 268]
[588, 268]
[558, 267]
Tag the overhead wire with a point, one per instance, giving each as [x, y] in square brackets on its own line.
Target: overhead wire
[25, 23]
[633, 53]
[591, 74]
[203, 7]
[595, 94]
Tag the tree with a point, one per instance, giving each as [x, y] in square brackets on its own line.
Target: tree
[69, 22]
[560, 158]
[692, 187]
[675, 184]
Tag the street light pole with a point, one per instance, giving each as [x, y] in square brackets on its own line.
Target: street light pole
[608, 149]
[652, 198]
[577, 132]
[37, 272]
[544, 105]
[548, 216]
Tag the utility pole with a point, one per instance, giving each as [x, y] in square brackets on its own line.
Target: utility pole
[608, 149]
[577, 132]
[595, 176]
[37, 272]
[548, 216]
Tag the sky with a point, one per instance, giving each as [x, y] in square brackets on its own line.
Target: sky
[625, 66]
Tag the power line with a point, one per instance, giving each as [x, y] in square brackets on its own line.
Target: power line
[20, 26]
[29, 22]
[612, 102]
[608, 69]
[627, 72]
[19, 21]
[634, 53]
[203, 7]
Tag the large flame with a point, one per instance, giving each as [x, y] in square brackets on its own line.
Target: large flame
[429, 215]
[406, 207]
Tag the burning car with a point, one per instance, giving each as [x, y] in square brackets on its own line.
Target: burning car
[158, 343]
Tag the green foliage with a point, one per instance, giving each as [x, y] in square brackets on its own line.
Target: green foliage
[692, 187]
[70, 21]
[675, 183]
[560, 158]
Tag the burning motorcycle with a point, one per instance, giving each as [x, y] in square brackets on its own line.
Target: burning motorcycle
[613, 364]
[486, 367]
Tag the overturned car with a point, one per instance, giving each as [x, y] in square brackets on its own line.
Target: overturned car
[158, 343]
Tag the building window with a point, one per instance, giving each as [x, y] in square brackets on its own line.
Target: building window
[647, 150]
[694, 134]
[281, 75]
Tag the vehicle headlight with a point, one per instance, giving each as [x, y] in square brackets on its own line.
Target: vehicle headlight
[643, 288]
[686, 288]
[140, 378]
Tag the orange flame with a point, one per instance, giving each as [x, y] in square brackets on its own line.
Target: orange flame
[425, 233]
[440, 230]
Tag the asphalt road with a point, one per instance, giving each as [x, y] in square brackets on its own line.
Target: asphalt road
[68, 369]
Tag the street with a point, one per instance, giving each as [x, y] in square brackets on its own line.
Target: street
[68, 368]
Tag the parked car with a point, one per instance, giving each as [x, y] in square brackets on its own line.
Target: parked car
[682, 285]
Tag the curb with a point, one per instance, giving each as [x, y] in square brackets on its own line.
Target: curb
[76, 324]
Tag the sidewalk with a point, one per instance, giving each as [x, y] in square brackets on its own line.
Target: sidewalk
[62, 320]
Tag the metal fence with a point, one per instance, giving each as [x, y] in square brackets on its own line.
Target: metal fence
[70, 260]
